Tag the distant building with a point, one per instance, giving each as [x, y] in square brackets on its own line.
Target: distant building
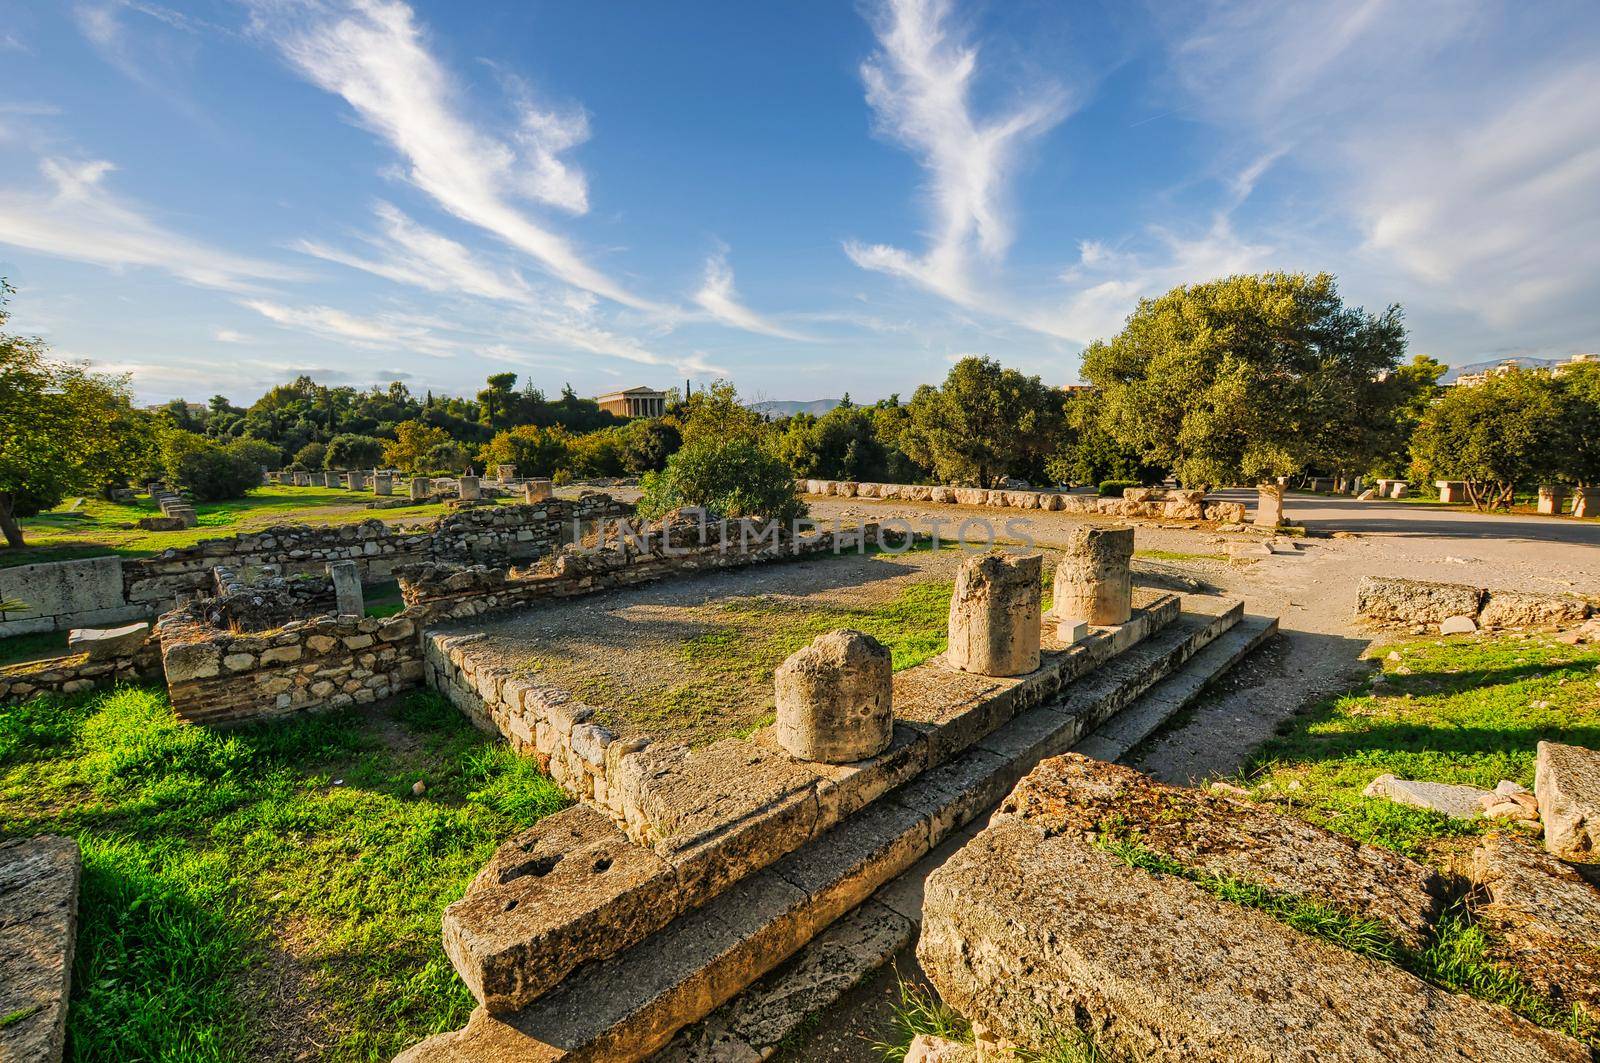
[634, 402]
[1514, 365]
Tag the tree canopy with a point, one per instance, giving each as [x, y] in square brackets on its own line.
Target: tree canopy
[1248, 378]
[62, 429]
[985, 423]
[1494, 435]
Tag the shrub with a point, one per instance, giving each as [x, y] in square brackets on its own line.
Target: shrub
[311, 456]
[729, 478]
[535, 450]
[256, 451]
[1111, 488]
[208, 472]
[350, 451]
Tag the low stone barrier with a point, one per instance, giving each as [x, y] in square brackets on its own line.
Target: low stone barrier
[218, 675]
[100, 591]
[1152, 503]
[78, 672]
[1411, 601]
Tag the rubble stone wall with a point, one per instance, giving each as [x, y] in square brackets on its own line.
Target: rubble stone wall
[1146, 502]
[75, 673]
[216, 675]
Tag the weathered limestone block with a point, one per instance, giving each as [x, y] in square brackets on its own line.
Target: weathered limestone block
[1026, 931]
[1542, 915]
[1586, 502]
[347, 588]
[995, 615]
[926, 1048]
[1552, 499]
[1399, 489]
[505, 473]
[1520, 609]
[1566, 781]
[834, 699]
[1094, 581]
[383, 483]
[1075, 794]
[1269, 506]
[1449, 799]
[421, 487]
[569, 890]
[1414, 601]
[971, 496]
[1225, 512]
[38, 930]
[468, 488]
[537, 490]
[104, 643]
[1451, 492]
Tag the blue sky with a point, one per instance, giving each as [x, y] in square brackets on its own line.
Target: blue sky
[808, 198]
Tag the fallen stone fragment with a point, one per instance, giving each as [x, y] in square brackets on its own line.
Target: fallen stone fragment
[1457, 625]
[1543, 916]
[1027, 931]
[104, 643]
[1078, 795]
[1455, 801]
[38, 928]
[1510, 810]
[1412, 601]
[926, 1048]
[1520, 609]
[1566, 781]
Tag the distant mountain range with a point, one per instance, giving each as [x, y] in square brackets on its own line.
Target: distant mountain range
[1478, 367]
[790, 407]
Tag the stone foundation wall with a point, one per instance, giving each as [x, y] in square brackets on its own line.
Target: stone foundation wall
[76, 673]
[101, 591]
[1146, 502]
[221, 676]
[482, 534]
[547, 722]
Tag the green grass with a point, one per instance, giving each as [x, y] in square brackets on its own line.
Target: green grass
[1463, 710]
[94, 527]
[277, 888]
[920, 1011]
[1175, 555]
[15, 649]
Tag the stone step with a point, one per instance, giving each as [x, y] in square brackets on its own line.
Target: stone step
[1118, 736]
[752, 1025]
[631, 1005]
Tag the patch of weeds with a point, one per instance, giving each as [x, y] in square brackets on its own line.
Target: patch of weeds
[1368, 937]
[1176, 556]
[1070, 1045]
[920, 1011]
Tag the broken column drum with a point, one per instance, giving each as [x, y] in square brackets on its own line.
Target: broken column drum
[995, 615]
[834, 699]
[421, 487]
[1094, 584]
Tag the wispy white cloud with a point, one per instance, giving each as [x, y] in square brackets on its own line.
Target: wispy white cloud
[228, 335]
[718, 298]
[79, 218]
[372, 53]
[377, 332]
[1471, 198]
[919, 86]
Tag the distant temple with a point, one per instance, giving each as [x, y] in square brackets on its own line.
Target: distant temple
[634, 402]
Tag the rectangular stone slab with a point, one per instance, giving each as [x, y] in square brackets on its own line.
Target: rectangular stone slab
[38, 927]
[1080, 796]
[1024, 930]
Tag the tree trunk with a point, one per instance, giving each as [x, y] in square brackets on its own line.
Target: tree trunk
[8, 522]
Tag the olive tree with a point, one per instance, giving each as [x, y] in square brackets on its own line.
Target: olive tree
[1505, 431]
[62, 429]
[983, 424]
[1249, 378]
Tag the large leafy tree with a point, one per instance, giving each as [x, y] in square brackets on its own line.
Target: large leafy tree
[1249, 378]
[62, 429]
[985, 423]
[413, 442]
[1579, 388]
[1506, 431]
